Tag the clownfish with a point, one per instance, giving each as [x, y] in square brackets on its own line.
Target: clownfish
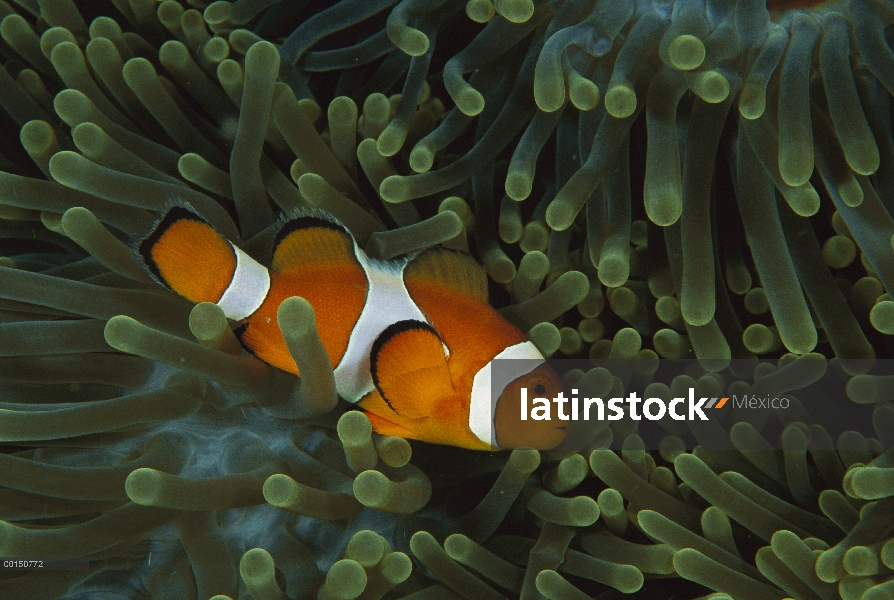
[411, 341]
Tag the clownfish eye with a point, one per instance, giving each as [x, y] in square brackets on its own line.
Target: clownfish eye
[539, 388]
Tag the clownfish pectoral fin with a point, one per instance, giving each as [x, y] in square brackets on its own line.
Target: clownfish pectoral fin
[386, 427]
[409, 368]
[312, 239]
[451, 268]
[186, 254]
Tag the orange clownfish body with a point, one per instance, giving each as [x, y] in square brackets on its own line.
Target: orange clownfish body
[411, 342]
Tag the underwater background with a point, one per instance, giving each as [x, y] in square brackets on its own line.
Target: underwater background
[642, 180]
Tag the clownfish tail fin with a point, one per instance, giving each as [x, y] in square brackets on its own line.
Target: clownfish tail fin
[186, 254]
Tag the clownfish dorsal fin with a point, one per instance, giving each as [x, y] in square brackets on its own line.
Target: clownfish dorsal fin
[451, 268]
[409, 368]
[186, 254]
[315, 238]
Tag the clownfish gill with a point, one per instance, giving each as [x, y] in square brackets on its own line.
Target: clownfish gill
[411, 341]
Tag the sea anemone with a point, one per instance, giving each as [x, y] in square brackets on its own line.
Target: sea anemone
[683, 179]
